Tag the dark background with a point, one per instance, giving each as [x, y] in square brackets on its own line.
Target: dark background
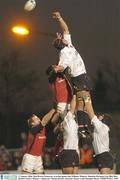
[95, 29]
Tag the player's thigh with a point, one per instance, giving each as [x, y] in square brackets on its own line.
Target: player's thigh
[68, 159]
[83, 95]
[28, 162]
[38, 168]
[75, 170]
[105, 171]
[68, 170]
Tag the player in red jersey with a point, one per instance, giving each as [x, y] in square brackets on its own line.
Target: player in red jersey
[32, 160]
[61, 90]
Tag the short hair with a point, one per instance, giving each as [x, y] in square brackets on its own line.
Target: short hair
[56, 42]
[29, 121]
[107, 119]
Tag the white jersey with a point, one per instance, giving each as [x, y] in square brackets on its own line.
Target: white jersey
[69, 57]
[100, 136]
[70, 132]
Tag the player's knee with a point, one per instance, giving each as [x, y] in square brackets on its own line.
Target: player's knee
[83, 96]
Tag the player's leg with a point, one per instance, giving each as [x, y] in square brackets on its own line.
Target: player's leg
[82, 87]
[27, 165]
[69, 161]
[104, 162]
[105, 171]
[68, 170]
[85, 96]
[75, 170]
[38, 167]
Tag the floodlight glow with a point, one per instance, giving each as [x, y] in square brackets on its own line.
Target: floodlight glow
[20, 30]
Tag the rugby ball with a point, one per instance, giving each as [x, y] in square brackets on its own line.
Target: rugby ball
[30, 5]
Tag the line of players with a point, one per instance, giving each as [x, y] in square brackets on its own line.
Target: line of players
[71, 86]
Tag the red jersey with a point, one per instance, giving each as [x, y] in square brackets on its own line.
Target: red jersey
[61, 90]
[36, 142]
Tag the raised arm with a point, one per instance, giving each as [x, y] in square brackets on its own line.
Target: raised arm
[73, 104]
[47, 117]
[62, 23]
[89, 108]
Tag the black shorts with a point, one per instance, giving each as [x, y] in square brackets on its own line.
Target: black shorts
[68, 158]
[82, 82]
[104, 160]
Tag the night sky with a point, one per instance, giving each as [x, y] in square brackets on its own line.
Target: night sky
[94, 25]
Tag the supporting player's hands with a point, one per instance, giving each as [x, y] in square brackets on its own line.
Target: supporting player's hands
[58, 68]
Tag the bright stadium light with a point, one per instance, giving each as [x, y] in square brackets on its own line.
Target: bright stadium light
[24, 31]
[20, 30]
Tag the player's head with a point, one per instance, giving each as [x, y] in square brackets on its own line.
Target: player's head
[59, 43]
[105, 118]
[33, 121]
[51, 74]
[82, 118]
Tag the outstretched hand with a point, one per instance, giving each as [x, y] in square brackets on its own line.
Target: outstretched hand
[59, 35]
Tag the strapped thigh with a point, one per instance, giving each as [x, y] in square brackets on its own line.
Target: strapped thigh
[83, 96]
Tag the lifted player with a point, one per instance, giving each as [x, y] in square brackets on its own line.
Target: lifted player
[61, 90]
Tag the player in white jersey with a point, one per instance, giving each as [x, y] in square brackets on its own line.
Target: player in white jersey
[104, 159]
[69, 156]
[70, 58]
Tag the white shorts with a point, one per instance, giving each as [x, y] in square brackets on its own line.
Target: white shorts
[32, 164]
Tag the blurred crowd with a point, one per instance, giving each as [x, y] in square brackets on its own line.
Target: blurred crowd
[10, 159]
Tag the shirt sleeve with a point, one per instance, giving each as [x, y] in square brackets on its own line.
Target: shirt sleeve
[99, 125]
[69, 117]
[67, 37]
[63, 60]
